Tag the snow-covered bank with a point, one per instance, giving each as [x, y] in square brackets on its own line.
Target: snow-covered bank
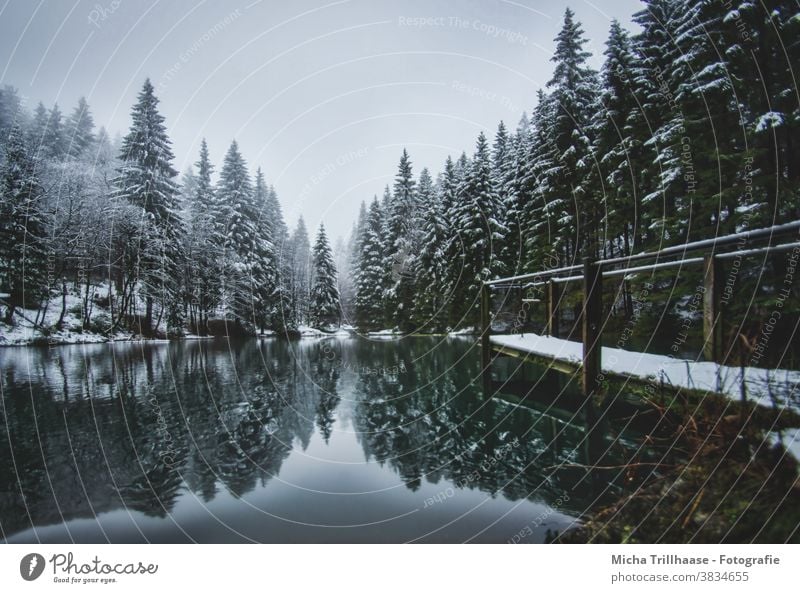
[766, 387]
[385, 334]
[25, 336]
[467, 331]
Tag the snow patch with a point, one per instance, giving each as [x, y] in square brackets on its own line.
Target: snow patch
[766, 387]
[789, 438]
[465, 331]
[385, 334]
[771, 119]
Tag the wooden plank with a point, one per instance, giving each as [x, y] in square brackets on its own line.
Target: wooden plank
[553, 296]
[486, 352]
[591, 317]
[561, 365]
[712, 315]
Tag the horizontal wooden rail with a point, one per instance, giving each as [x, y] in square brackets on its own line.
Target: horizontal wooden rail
[594, 271]
[704, 245]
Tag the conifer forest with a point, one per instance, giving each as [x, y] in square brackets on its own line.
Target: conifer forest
[568, 290]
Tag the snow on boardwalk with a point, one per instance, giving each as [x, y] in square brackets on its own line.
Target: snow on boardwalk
[764, 386]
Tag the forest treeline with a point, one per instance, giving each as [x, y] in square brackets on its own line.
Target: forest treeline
[84, 215]
[688, 131]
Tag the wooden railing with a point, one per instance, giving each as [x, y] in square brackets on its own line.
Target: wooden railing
[710, 254]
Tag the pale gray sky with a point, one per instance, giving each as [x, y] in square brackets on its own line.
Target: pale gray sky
[322, 95]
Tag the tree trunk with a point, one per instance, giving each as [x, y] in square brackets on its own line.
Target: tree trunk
[148, 315]
[60, 322]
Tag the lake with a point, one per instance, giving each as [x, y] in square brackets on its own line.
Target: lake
[316, 440]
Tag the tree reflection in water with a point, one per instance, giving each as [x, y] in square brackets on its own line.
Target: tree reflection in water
[90, 429]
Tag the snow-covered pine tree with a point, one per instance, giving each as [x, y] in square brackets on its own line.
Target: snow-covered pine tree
[537, 221]
[79, 132]
[448, 187]
[37, 132]
[23, 256]
[264, 268]
[344, 278]
[54, 143]
[204, 245]
[513, 247]
[658, 124]
[387, 282]
[766, 42]
[431, 263]
[240, 239]
[404, 271]
[573, 93]
[146, 179]
[403, 204]
[400, 248]
[324, 307]
[503, 174]
[480, 229]
[301, 272]
[283, 317]
[371, 274]
[348, 291]
[502, 160]
[462, 167]
[612, 181]
[11, 112]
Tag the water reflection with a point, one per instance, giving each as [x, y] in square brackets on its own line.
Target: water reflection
[188, 441]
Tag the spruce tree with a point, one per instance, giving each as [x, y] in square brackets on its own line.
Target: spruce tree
[448, 188]
[655, 129]
[283, 317]
[240, 239]
[348, 295]
[513, 247]
[573, 91]
[264, 267]
[23, 255]
[399, 244]
[79, 130]
[324, 307]
[370, 276]
[431, 263]
[537, 220]
[37, 132]
[480, 229]
[146, 179]
[301, 272]
[204, 245]
[612, 181]
[502, 175]
[11, 112]
[54, 141]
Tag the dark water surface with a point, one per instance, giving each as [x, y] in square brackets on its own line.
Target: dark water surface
[332, 440]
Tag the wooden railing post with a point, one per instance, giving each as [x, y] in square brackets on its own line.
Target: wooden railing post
[592, 315]
[552, 296]
[712, 315]
[486, 303]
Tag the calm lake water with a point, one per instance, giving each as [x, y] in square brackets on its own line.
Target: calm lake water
[330, 440]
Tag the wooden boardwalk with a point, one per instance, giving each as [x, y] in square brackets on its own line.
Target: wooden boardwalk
[763, 386]
[595, 362]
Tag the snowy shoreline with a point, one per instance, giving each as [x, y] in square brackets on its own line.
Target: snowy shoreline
[15, 338]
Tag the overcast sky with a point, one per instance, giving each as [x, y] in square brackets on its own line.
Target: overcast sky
[321, 95]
